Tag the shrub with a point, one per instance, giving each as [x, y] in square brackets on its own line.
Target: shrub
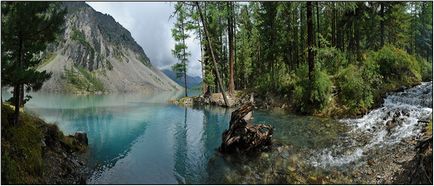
[425, 70]
[397, 66]
[353, 91]
[331, 59]
[312, 96]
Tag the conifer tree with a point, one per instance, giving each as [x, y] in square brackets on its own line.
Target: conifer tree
[27, 28]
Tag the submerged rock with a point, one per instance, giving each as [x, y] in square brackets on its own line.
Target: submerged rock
[243, 136]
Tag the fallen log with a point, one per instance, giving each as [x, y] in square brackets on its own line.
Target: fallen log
[242, 136]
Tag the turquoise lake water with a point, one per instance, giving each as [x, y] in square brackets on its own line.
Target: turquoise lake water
[142, 139]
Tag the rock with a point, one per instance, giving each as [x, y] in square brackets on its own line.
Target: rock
[81, 137]
[371, 162]
[243, 136]
[390, 125]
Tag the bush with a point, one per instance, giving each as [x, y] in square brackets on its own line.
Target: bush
[312, 96]
[425, 70]
[396, 66]
[331, 59]
[354, 91]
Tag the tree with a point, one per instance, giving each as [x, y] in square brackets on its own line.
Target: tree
[180, 51]
[27, 28]
[204, 25]
[231, 25]
[310, 44]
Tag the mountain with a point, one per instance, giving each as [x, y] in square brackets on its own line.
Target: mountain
[192, 81]
[96, 54]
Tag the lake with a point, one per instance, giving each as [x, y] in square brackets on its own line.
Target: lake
[143, 139]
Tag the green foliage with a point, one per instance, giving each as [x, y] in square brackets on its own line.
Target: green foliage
[286, 82]
[331, 59]
[353, 91]
[370, 71]
[180, 34]
[396, 66]
[79, 36]
[425, 70]
[21, 149]
[29, 24]
[312, 96]
[81, 79]
[178, 68]
[429, 128]
[22, 157]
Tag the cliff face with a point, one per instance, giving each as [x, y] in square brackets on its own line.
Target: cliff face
[96, 54]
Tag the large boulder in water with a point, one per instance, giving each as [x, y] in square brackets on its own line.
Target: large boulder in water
[242, 136]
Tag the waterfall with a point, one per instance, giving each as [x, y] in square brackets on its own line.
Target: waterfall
[402, 116]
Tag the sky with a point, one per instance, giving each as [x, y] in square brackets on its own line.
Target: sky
[150, 25]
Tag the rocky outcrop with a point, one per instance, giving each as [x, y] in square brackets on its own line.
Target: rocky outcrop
[242, 136]
[61, 156]
[422, 174]
[96, 54]
[35, 152]
[237, 99]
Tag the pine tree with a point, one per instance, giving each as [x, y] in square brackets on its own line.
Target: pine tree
[179, 34]
[310, 42]
[27, 28]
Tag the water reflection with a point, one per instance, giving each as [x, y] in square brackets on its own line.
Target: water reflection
[141, 139]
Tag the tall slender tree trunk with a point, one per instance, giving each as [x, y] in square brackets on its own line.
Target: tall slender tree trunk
[22, 95]
[334, 24]
[231, 87]
[185, 60]
[310, 55]
[212, 53]
[317, 25]
[295, 41]
[17, 87]
[202, 60]
[302, 32]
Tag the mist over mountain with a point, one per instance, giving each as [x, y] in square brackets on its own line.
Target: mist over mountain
[192, 81]
[96, 54]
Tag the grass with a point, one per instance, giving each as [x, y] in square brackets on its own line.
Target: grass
[22, 161]
[22, 157]
[81, 79]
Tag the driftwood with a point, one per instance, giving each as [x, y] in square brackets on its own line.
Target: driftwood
[242, 136]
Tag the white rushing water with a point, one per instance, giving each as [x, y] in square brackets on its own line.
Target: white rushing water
[402, 115]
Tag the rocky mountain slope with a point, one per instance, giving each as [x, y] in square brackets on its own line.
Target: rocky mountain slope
[95, 54]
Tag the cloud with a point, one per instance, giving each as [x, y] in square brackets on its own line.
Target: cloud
[150, 26]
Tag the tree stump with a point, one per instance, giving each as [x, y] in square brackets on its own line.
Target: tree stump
[243, 136]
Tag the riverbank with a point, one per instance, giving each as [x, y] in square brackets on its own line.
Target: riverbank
[35, 152]
[392, 144]
[285, 103]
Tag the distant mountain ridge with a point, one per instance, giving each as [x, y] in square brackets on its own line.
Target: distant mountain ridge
[192, 81]
[96, 54]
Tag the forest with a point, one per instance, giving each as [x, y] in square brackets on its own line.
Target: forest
[321, 56]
